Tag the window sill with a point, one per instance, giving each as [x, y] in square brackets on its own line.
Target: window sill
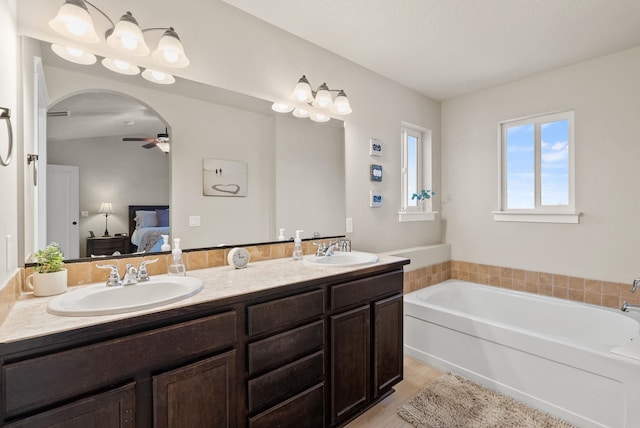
[566, 218]
[404, 217]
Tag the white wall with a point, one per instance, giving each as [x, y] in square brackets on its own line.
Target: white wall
[233, 50]
[9, 174]
[116, 171]
[605, 94]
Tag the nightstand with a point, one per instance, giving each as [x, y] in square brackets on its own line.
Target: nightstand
[107, 245]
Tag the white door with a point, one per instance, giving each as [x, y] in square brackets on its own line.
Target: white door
[63, 208]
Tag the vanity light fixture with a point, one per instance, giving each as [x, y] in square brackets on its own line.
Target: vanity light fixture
[77, 55]
[106, 208]
[120, 66]
[158, 77]
[321, 102]
[126, 37]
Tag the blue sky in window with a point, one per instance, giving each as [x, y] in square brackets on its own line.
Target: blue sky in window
[554, 165]
[412, 170]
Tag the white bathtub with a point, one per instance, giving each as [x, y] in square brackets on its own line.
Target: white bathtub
[576, 361]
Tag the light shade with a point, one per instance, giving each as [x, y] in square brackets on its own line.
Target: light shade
[341, 104]
[73, 20]
[106, 208]
[281, 107]
[127, 37]
[302, 91]
[318, 116]
[119, 66]
[170, 51]
[79, 56]
[158, 77]
[301, 112]
[323, 97]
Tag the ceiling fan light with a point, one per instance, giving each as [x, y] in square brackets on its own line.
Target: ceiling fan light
[120, 66]
[281, 107]
[341, 104]
[74, 55]
[302, 91]
[170, 51]
[156, 76]
[126, 37]
[73, 20]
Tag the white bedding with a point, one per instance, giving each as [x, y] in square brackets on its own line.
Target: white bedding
[138, 234]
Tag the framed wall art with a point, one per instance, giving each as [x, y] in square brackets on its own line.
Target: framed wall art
[224, 177]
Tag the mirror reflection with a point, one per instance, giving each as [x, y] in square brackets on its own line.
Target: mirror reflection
[295, 167]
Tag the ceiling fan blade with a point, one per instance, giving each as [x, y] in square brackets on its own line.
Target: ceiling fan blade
[149, 140]
[149, 146]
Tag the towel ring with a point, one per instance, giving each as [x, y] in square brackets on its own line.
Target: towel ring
[5, 114]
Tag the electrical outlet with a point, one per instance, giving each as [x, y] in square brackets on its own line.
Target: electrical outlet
[349, 225]
[194, 220]
[84, 214]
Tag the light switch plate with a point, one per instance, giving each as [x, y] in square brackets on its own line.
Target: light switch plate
[349, 225]
[194, 220]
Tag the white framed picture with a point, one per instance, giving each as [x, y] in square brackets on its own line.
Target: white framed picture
[375, 199]
[375, 172]
[224, 177]
[375, 147]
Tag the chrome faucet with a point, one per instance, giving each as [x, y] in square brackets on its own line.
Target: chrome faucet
[626, 306]
[131, 274]
[634, 286]
[114, 276]
[325, 249]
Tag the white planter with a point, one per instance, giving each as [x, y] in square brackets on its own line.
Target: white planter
[47, 284]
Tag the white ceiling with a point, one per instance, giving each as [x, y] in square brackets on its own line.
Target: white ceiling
[446, 48]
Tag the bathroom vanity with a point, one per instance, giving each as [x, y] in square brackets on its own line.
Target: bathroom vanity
[302, 347]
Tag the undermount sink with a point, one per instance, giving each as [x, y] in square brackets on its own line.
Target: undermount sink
[99, 299]
[347, 259]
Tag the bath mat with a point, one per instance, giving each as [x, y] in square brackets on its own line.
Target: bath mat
[455, 402]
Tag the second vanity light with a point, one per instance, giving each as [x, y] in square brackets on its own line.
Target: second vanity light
[125, 37]
[317, 105]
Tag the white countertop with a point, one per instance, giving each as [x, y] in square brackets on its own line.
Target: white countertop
[29, 317]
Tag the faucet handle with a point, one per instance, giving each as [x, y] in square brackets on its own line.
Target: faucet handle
[143, 274]
[114, 275]
[634, 286]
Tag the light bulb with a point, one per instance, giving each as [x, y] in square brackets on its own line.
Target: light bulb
[122, 65]
[129, 41]
[158, 75]
[75, 52]
[75, 26]
[171, 56]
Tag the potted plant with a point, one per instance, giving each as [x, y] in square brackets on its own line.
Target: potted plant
[49, 275]
[422, 196]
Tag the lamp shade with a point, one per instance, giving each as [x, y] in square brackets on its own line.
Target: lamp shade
[302, 91]
[79, 56]
[127, 37]
[120, 66]
[281, 107]
[158, 77]
[170, 51]
[106, 208]
[341, 104]
[323, 97]
[301, 112]
[73, 20]
[318, 116]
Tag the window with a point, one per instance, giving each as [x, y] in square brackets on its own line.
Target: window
[416, 173]
[537, 169]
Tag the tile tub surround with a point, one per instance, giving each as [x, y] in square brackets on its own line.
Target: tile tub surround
[595, 292]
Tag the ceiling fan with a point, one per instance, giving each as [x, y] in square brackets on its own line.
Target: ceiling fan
[161, 141]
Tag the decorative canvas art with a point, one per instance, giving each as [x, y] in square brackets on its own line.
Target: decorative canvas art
[375, 147]
[224, 178]
[375, 199]
[375, 172]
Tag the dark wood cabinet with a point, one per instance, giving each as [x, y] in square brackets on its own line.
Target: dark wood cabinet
[350, 362]
[107, 245]
[197, 395]
[313, 355]
[112, 409]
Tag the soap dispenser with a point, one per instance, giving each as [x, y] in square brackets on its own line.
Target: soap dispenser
[165, 243]
[281, 236]
[297, 246]
[177, 264]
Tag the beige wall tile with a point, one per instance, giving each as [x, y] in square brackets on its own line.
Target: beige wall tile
[576, 283]
[577, 295]
[518, 274]
[592, 286]
[506, 272]
[78, 273]
[611, 288]
[561, 292]
[194, 260]
[546, 279]
[531, 277]
[216, 258]
[593, 298]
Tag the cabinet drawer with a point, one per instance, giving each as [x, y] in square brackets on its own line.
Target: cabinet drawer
[305, 410]
[285, 382]
[40, 381]
[282, 313]
[365, 290]
[280, 349]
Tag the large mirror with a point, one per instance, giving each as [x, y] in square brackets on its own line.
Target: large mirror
[294, 168]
